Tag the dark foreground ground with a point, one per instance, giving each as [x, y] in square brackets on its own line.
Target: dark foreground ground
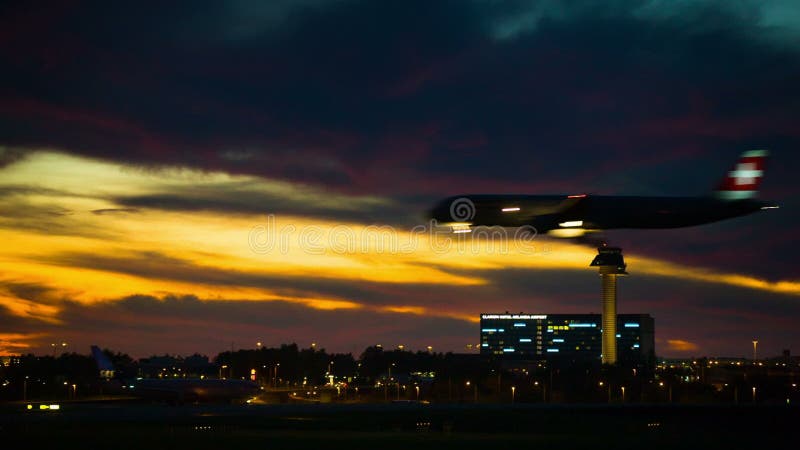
[401, 426]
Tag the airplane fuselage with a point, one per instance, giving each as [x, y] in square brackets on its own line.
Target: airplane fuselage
[550, 212]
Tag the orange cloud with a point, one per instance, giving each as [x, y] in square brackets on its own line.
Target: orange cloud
[16, 343]
[679, 345]
[62, 221]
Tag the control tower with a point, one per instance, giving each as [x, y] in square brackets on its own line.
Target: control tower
[610, 264]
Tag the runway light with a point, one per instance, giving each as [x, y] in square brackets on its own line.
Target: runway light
[770, 207]
[577, 196]
[514, 209]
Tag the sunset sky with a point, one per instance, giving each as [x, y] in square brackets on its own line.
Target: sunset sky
[191, 176]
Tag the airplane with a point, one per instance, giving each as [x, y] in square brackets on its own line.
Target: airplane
[571, 216]
[179, 390]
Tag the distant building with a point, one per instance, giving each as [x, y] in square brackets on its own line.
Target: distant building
[9, 360]
[566, 338]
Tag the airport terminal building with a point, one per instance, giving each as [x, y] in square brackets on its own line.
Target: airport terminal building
[566, 338]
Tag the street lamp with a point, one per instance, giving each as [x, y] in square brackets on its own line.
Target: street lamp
[544, 390]
[275, 379]
[258, 344]
[55, 345]
[73, 391]
[475, 392]
[755, 347]
[623, 393]
[609, 390]
[417, 388]
[754, 394]
[513, 391]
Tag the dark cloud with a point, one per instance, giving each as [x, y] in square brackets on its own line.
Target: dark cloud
[408, 101]
[251, 198]
[181, 325]
[105, 211]
[347, 95]
[153, 265]
[28, 291]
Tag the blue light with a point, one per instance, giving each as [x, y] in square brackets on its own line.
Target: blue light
[484, 344]
[501, 330]
[520, 325]
[582, 325]
[524, 340]
[489, 330]
[631, 325]
[558, 340]
[508, 350]
[552, 350]
[619, 335]
[635, 345]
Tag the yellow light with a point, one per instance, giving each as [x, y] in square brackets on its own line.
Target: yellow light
[460, 227]
[55, 407]
[567, 232]
[44, 406]
[457, 224]
[30, 406]
[571, 223]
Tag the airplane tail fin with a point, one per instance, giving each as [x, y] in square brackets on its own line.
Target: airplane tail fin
[743, 180]
[103, 363]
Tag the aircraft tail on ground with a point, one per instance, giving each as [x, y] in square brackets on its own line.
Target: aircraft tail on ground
[742, 181]
[103, 363]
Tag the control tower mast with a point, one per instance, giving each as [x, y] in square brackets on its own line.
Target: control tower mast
[610, 264]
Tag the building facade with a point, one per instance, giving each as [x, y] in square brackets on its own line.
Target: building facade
[566, 338]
